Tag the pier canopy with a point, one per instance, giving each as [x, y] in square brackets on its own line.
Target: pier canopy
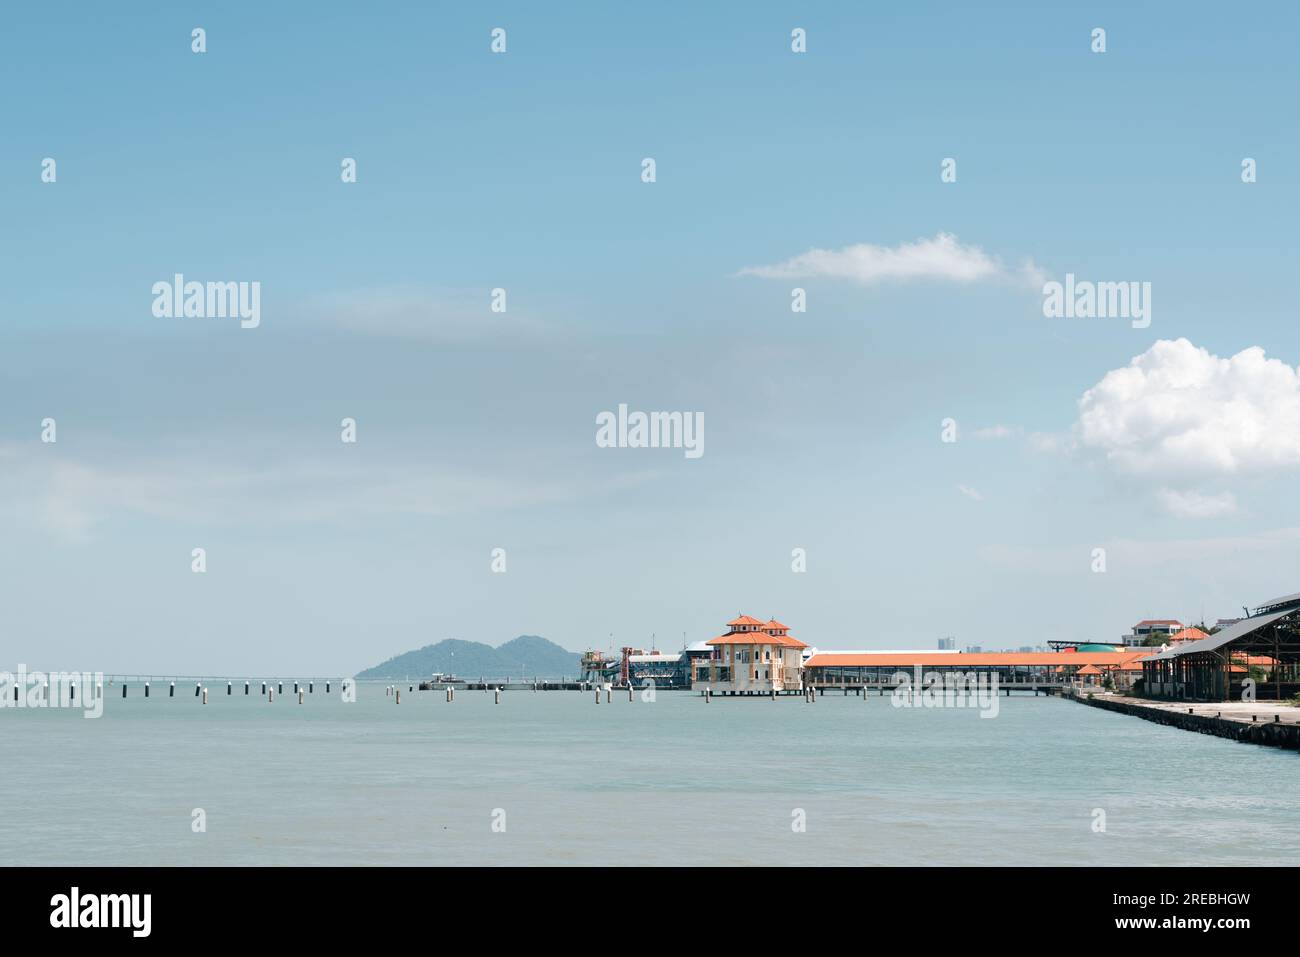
[1040, 669]
[1264, 649]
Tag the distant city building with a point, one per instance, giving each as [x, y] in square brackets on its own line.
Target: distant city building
[947, 644]
[1152, 628]
[973, 649]
[1226, 623]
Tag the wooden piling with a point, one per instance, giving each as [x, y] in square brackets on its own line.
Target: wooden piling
[123, 689]
[205, 695]
[398, 695]
[300, 696]
[229, 689]
[498, 696]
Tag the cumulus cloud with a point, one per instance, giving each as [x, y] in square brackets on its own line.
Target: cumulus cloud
[1193, 504]
[1177, 409]
[941, 258]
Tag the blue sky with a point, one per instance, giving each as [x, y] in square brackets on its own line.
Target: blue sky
[476, 429]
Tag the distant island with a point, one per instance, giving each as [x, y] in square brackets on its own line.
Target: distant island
[526, 656]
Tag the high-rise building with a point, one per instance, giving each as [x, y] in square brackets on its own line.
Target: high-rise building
[947, 644]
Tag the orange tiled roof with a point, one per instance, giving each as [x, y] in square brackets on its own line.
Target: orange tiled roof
[776, 624]
[743, 620]
[1089, 670]
[1188, 634]
[985, 659]
[756, 638]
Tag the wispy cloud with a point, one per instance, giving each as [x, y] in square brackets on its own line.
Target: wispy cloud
[970, 493]
[996, 432]
[418, 313]
[942, 258]
[1193, 504]
[71, 498]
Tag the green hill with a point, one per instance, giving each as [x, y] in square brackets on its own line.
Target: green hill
[527, 656]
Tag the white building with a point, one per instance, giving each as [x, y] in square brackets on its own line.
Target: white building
[753, 657]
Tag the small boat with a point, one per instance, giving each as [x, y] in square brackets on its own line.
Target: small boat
[441, 679]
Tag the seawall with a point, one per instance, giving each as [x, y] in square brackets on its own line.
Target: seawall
[1262, 725]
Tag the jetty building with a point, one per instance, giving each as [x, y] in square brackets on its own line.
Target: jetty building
[752, 657]
[1257, 656]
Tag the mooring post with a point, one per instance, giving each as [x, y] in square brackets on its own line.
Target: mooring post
[398, 695]
[263, 687]
[597, 696]
[270, 695]
[146, 689]
[245, 689]
[280, 687]
[205, 695]
[229, 689]
[629, 691]
[171, 690]
[300, 696]
[197, 689]
[311, 687]
[123, 689]
[497, 696]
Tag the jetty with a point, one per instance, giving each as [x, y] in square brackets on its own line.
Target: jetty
[1252, 722]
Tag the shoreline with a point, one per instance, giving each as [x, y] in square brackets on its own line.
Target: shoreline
[1268, 723]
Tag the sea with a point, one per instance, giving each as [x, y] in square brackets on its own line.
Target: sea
[557, 778]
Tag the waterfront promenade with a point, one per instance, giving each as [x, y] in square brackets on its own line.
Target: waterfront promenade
[1274, 723]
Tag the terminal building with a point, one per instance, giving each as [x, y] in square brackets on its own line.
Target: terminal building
[1257, 656]
[753, 657]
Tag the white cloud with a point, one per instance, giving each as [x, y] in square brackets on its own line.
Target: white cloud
[996, 432]
[1176, 410]
[1193, 504]
[1050, 443]
[970, 493]
[942, 258]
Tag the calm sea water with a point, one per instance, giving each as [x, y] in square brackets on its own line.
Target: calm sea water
[676, 781]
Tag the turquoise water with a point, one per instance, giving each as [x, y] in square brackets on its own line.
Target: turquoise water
[676, 781]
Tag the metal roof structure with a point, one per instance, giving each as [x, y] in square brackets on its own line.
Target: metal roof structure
[1216, 641]
[1276, 603]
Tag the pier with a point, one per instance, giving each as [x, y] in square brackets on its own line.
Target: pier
[1252, 722]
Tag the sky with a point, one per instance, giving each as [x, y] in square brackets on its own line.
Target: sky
[1173, 446]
